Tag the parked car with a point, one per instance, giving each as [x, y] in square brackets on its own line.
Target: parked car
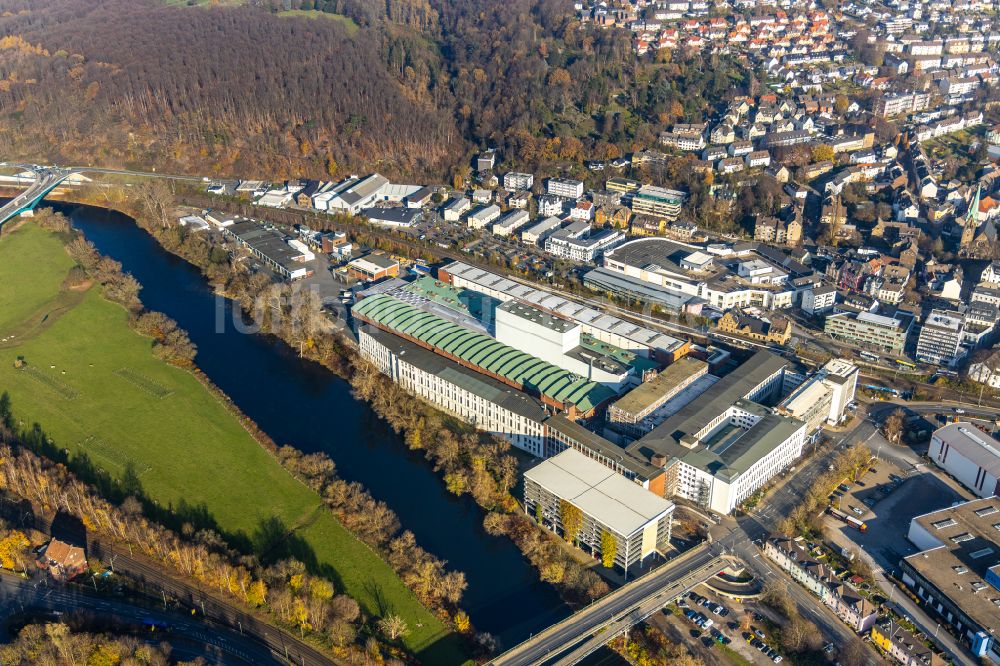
[856, 511]
[776, 658]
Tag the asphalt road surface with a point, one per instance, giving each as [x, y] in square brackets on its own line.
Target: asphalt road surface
[190, 636]
[582, 624]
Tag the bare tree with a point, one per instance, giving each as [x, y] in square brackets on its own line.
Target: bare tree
[393, 627]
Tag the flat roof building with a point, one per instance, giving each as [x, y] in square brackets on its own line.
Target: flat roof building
[887, 334]
[478, 351]
[658, 202]
[271, 247]
[721, 447]
[605, 327]
[638, 520]
[628, 412]
[968, 454]
[392, 217]
[940, 339]
[490, 405]
[957, 571]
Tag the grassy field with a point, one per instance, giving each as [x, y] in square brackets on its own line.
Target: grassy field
[24, 253]
[346, 21]
[95, 386]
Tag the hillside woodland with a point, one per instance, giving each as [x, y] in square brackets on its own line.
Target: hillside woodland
[320, 88]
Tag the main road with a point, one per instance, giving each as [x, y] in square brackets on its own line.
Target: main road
[45, 181]
[192, 636]
[653, 590]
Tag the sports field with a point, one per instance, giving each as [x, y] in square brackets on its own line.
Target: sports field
[94, 386]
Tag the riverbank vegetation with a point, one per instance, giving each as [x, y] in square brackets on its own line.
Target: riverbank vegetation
[110, 404]
[470, 462]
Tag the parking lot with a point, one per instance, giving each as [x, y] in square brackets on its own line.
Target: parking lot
[713, 625]
[887, 501]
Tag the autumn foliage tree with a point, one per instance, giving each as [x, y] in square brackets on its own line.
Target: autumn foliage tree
[572, 520]
[609, 548]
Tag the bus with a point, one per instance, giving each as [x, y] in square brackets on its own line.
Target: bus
[868, 356]
[905, 364]
[860, 525]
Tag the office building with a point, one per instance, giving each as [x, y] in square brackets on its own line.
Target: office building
[638, 520]
[557, 340]
[562, 434]
[956, 574]
[372, 267]
[968, 454]
[940, 339]
[869, 330]
[823, 398]
[720, 448]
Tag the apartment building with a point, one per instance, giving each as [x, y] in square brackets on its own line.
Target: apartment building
[903, 645]
[894, 104]
[940, 339]
[510, 222]
[794, 556]
[514, 180]
[657, 201]
[540, 230]
[482, 216]
[565, 187]
[583, 248]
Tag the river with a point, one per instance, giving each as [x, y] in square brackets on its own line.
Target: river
[300, 403]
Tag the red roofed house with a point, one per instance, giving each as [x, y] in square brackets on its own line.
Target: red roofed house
[63, 561]
[988, 208]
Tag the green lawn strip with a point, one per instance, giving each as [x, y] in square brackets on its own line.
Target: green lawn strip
[37, 263]
[185, 445]
[346, 21]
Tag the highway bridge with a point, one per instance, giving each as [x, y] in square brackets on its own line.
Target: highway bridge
[46, 180]
[567, 642]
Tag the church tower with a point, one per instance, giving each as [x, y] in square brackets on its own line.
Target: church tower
[971, 224]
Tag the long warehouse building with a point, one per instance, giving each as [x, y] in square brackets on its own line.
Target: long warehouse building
[605, 327]
[558, 388]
